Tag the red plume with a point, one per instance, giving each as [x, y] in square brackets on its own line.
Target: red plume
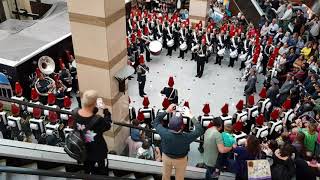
[225, 109]
[34, 95]
[145, 102]
[140, 116]
[36, 112]
[18, 89]
[206, 109]
[251, 100]
[186, 104]
[15, 110]
[53, 117]
[287, 104]
[260, 120]
[67, 102]
[239, 106]
[238, 126]
[165, 103]
[263, 93]
[51, 98]
[171, 81]
[274, 115]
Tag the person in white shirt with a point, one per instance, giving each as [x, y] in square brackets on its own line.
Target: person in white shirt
[285, 38]
[281, 10]
[264, 29]
[314, 27]
[273, 27]
[288, 14]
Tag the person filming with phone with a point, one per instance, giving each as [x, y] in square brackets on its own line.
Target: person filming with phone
[175, 144]
[93, 127]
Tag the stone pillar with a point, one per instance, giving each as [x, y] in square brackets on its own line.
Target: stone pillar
[198, 11]
[99, 40]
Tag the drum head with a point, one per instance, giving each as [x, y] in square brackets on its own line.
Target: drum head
[170, 43]
[155, 46]
[221, 52]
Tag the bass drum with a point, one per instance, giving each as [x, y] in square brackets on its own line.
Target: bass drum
[183, 46]
[234, 54]
[221, 52]
[155, 48]
[170, 43]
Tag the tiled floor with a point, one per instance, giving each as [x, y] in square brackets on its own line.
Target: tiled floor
[219, 85]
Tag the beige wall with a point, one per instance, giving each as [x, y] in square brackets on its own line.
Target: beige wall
[98, 33]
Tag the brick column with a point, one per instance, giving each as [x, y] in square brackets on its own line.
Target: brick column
[99, 40]
[198, 11]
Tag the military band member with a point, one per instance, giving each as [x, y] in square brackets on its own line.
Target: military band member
[208, 42]
[142, 69]
[234, 49]
[170, 92]
[221, 38]
[195, 41]
[176, 29]
[201, 57]
[183, 39]
[169, 37]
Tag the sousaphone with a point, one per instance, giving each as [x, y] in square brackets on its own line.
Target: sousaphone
[47, 66]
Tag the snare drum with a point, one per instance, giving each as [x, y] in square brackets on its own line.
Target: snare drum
[155, 48]
[183, 46]
[221, 52]
[234, 54]
[195, 48]
[243, 57]
[170, 43]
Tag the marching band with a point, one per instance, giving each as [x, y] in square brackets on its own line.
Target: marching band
[173, 32]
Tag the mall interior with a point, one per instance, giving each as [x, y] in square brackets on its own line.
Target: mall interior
[159, 89]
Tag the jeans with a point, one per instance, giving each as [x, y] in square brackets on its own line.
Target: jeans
[209, 172]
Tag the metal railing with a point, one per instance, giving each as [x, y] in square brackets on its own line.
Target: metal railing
[58, 110]
[58, 174]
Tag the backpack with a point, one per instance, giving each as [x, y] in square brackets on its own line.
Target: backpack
[75, 145]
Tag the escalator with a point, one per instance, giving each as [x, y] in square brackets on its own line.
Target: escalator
[251, 9]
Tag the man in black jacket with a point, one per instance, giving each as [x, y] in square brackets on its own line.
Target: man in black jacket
[96, 147]
[142, 69]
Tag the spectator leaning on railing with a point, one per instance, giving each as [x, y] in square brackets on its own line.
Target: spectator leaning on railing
[175, 143]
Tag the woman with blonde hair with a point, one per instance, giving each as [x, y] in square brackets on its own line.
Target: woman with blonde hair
[93, 127]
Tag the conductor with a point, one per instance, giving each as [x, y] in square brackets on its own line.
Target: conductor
[201, 57]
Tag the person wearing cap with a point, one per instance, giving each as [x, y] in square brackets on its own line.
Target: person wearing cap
[175, 143]
[142, 69]
[170, 92]
[273, 91]
[213, 145]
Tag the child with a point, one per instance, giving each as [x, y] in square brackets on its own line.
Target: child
[228, 141]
